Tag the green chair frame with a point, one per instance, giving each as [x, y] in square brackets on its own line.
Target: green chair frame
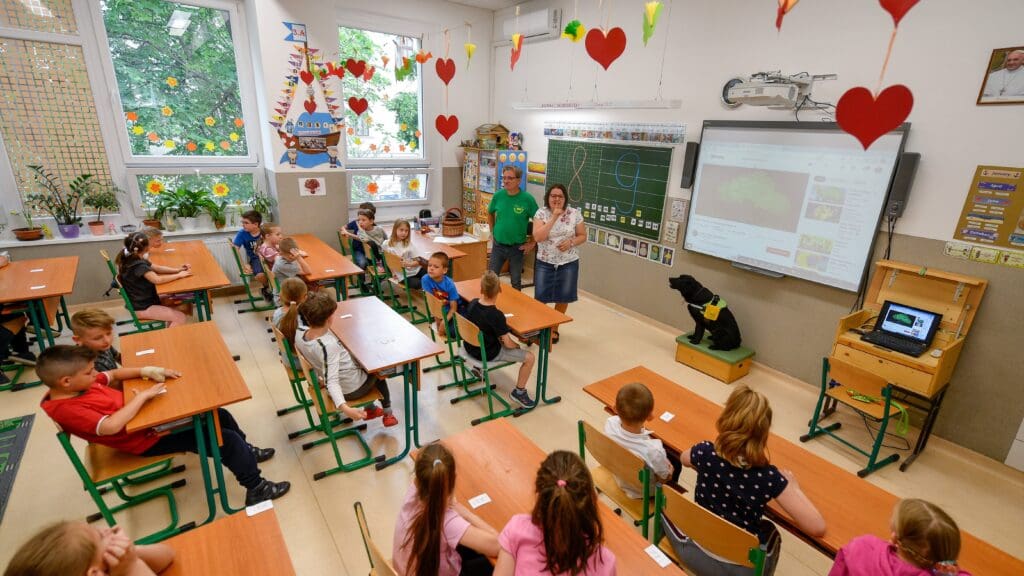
[296, 378]
[15, 383]
[471, 331]
[435, 311]
[119, 483]
[140, 324]
[393, 262]
[379, 564]
[355, 285]
[619, 462]
[380, 275]
[256, 304]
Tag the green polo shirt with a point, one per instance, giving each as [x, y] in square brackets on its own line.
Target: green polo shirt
[512, 214]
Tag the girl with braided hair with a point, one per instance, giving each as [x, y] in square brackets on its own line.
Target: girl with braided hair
[139, 278]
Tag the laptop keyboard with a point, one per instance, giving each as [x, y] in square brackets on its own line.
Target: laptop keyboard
[896, 343]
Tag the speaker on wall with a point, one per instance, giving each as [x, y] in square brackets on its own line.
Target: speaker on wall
[689, 164]
[901, 184]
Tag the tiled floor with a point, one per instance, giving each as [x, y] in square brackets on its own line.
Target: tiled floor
[985, 497]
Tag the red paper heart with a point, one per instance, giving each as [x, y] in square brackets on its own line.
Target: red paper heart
[306, 76]
[310, 105]
[369, 73]
[332, 71]
[447, 126]
[867, 118]
[445, 69]
[355, 68]
[897, 8]
[606, 47]
[358, 105]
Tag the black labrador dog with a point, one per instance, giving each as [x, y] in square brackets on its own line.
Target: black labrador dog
[725, 333]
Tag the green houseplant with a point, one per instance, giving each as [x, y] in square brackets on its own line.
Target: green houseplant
[262, 203]
[31, 231]
[101, 198]
[63, 204]
[218, 211]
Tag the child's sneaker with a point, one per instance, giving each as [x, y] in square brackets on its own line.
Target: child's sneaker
[26, 358]
[521, 396]
[266, 490]
[374, 412]
[390, 420]
[267, 294]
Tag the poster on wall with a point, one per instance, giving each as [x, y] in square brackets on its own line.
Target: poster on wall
[1004, 77]
[312, 187]
[661, 133]
[993, 212]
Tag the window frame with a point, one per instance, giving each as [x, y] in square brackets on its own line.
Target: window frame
[431, 182]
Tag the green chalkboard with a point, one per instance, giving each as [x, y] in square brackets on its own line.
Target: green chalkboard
[617, 186]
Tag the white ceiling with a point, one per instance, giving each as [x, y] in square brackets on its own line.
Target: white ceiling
[488, 4]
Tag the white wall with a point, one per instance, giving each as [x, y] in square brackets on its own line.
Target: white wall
[941, 52]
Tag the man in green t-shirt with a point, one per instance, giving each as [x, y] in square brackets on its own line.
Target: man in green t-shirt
[509, 213]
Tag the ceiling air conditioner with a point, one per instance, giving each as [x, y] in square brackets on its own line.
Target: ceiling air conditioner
[543, 24]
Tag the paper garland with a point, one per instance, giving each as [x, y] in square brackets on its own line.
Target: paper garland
[517, 49]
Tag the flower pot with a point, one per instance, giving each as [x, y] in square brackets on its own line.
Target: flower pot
[205, 221]
[188, 224]
[97, 228]
[153, 223]
[69, 230]
[27, 234]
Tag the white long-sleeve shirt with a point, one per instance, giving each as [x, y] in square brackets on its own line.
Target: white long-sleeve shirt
[333, 364]
[1005, 83]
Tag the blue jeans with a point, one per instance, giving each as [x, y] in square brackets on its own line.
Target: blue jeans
[511, 253]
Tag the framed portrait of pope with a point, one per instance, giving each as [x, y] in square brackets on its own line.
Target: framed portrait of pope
[1004, 77]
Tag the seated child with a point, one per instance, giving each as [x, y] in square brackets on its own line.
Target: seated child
[94, 329]
[370, 235]
[435, 534]
[155, 235]
[563, 535]
[351, 231]
[736, 481]
[78, 549]
[438, 284]
[13, 336]
[272, 237]
[400, 245]
[246, 242]
[925, 541]
[289, 264]
[293, 293]
[139, 279]
[498, 343]
[81, 403]
[334, 366]
[634, 405]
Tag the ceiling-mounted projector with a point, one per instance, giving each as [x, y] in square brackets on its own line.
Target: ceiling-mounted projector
[770, 89]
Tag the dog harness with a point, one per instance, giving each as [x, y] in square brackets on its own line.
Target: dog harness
[712, 309]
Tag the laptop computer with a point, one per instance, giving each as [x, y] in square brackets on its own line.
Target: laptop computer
[904, 329]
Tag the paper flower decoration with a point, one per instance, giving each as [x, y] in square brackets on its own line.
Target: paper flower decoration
[152, 137]
[574, 31]
[403, 126]
[233, 136]
[191, 146]
[387, 149]
[172, 81]
[169, 144]
[154, 187]
[401, 147]
[784, 7]
[350, 131]
[384, 60]
[225, 145]
[209, 146]
[652, 12]
[372, 188]
[131, 116]
[239, 122]
[209, 121]
[422, 57]
[517, 49]
[373, 147]
[470, 49]
[137, 130]
[167, 111]
[412, 145]
[221, 189]
[418, 133]
[414, 185]
[357, 141]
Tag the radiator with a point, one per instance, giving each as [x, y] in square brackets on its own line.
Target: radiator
[221, 251]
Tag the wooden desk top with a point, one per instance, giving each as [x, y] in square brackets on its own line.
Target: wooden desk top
[324, 261]
[50, 277]
[206, 271]
[424, 245]
[378, 337]
[925, 362]
[235, 545]
[850, 505]
[498, 459]
[210, 378]
[528, 315]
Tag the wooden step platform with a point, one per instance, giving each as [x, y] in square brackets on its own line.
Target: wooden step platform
[725, 365]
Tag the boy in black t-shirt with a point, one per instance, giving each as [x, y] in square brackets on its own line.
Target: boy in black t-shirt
[498, 343]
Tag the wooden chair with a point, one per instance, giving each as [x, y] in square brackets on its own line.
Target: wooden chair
[354, 282]
[379, 565]
[254, 302]
[271, 277]
[394, 265]
[869, 395]
[481, 371]
[140, 325]
[618, 462]
[435, 310]
[377, 268]
[296, 378]
[712, 532]
[106, 469]
[328, 420]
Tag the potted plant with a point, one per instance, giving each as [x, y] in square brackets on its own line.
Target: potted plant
[218, 211]
[189, 205]
[101, 199]
[31, 232]
[62, 204]
[264, 204]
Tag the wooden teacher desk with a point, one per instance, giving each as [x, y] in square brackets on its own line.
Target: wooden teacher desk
[236, 545]
[851, 506]
[497, 459]
[468, 259]
[206, 272]
[327, 263]
[36, 281]
[209, 380]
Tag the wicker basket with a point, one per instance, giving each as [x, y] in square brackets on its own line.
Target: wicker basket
[453, 224]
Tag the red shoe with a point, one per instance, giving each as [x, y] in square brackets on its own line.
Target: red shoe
[374, 412]
[390, 420]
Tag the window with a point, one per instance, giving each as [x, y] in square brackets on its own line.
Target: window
[233, 188]
[388, 132]
[397, 186]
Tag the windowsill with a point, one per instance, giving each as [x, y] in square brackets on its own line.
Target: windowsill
[86, 237]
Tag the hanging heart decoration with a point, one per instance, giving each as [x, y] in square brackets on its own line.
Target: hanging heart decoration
[867, 118]
[897, 8]
[355, 68]
[369, 73]
[606, 47]
[306, 76]
[445, 69]
[333, 70]
[447, 126]
[310, 105]
[358, 105]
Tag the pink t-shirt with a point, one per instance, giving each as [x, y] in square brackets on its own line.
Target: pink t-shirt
[525, 542]
[872, 556]
[455, 527]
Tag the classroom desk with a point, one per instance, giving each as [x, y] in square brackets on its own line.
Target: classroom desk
[379, 338]
[497, 459]
[850, 505]
[210, 379]
[35, 281]
[206, 272]
[528, 317]
[468, 259]
[326, 262]
[236, 545]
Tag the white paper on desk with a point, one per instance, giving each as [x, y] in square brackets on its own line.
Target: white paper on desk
[667, 416]
[453, 239]
[40, 287]
[478, 501]
[172, 250]
[343, 316]
[329, 270]
[259, 507]
[509, 315]
[659, 557]
[36, 270]
[144, 352]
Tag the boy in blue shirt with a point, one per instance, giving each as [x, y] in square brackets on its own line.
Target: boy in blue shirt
[438, 284]
[249, 238]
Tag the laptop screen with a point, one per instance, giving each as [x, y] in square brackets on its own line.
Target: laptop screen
[908, 322]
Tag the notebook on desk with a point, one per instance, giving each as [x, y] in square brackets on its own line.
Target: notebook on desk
[904, 329]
